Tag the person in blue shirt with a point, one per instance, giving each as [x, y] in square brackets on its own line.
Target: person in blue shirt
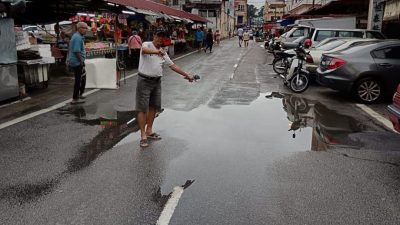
[76, 60]
[199, 37]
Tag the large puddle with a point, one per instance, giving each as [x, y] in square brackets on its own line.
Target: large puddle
[273, 125]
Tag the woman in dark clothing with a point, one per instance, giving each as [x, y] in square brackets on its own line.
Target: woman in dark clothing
[209, 40]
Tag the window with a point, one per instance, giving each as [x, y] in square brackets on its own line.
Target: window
[212, 13]
[240, 19]
[298, 33]
[203, 13]
[358, 34]
[175, 2]
[241, 8]
[388, 53]
[323, 34]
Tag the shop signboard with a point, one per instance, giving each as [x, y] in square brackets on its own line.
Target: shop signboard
[377, 14]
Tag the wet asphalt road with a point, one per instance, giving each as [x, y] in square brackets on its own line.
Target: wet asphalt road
[257, 154]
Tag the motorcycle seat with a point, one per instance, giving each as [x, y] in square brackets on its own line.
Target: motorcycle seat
[285, 55]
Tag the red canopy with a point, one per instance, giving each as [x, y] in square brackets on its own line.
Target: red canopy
[159, 8]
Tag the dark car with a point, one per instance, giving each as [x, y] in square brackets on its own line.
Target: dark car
[394, 110]
[370, 71]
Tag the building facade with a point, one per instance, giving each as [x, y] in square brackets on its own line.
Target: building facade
[241, 12]
[220, 13]
[273, 10]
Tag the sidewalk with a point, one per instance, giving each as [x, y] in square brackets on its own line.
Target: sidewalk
[59, 90]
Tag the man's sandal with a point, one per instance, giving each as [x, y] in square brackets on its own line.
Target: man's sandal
[154, 136]
[144, 143]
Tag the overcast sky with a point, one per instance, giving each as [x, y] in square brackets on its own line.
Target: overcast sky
[257, 3]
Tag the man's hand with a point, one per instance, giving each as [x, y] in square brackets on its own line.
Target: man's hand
[189, 78]
[161, 52]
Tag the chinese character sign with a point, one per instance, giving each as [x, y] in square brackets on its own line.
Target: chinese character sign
[377, 14]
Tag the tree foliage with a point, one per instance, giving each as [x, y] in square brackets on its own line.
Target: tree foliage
[251, 11]
[261, 12]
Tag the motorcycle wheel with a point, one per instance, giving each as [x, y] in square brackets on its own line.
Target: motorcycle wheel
[299, 83]
[279, 65]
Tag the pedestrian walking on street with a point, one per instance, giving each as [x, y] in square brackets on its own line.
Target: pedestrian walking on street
[240, 32]
[209, 40]
[217, 36]
[76, 61]
[134, 45]
[246, 38]
[148, 89]
[199, 36]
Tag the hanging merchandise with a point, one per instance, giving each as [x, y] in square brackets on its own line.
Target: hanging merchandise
[94, 27]
[122, 19]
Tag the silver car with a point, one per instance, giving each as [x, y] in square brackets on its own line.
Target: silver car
[370, 70]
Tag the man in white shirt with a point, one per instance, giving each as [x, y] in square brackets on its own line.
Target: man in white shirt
[148, 90]
[240, 35]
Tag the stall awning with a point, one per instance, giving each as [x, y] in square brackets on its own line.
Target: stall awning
[51, 11]
[142, 11]
[159, 8]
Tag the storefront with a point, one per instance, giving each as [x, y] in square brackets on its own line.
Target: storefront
[391, 19]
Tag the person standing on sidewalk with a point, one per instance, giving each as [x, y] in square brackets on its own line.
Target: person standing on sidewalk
[148, 89]
[76, 60]
[134, 45]
[209, 40]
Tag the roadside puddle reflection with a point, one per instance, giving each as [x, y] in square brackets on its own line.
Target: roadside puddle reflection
[329, 127]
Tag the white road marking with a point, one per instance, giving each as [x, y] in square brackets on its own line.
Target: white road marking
[236, 65]
[169, 208]
[62, 104]
[376, 116]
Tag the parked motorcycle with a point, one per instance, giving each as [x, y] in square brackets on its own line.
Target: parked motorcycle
[297, 77]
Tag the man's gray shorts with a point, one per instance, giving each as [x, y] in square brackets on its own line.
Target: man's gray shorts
[148, 94]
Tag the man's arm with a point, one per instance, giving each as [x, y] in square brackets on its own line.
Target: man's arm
[78, 55]
[177, 69]
[152, 51]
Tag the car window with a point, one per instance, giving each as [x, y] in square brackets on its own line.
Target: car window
[388, 53]
[298, 33]
[358, 34]
[323, 34]
[331, 45]
[374, 34]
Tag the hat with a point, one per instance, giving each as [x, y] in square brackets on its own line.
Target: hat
[81, 25]
[161, 32]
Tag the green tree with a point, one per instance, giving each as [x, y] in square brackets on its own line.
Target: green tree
[261, 12]
[251, 11]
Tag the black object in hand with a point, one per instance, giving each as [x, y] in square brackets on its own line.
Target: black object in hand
[196, 77]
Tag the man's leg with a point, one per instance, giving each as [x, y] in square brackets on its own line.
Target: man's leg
[151, 115]
[83, 83]
[141, 117]
[77, 72]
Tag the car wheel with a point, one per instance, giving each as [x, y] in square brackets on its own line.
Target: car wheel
[368, 90]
